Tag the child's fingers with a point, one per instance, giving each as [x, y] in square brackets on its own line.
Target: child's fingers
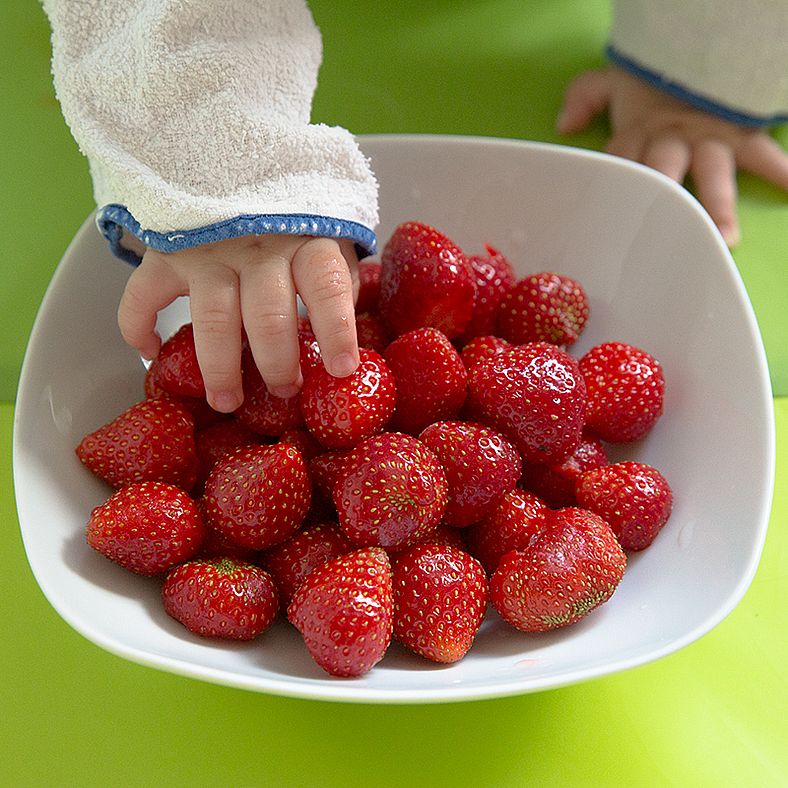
[669, 155]
[713, 170]
[325, 282]
[627, 145]
[763, 156]
[587, 95]
[216, 317]
[151, 286]
[270, 316]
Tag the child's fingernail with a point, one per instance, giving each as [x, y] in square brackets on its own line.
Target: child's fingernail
[343, 365]
[225, 401]
[285, 392]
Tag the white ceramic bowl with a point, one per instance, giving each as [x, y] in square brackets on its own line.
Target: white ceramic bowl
[658, 276]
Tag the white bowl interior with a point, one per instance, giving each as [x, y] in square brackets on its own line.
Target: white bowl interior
[658, 276]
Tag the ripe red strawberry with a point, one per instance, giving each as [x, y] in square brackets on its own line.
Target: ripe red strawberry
[511, 525]
[258, 496]
[544, 307]
[430, 377]
[150, 441]
[219, 439]
[481, 467]
[292, 560]
[425, 280]
[147, 527]
[327, 469]
[440, 597]
[480, 348]
[626, 390]
[442, 535]
[371, 332]
[204, 415]
[555, 483]
[392, 493]
[368, 286]
[261, 411]
[176, 368]
[344, 611]
[571, 567]
[303, 441]
[536, 396]
[494, 277]
[342, 412]
[633, 498]
[221, 598]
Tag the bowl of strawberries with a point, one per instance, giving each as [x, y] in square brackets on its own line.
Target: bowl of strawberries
[554, 462]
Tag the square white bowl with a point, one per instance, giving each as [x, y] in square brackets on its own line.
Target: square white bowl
[658, 276]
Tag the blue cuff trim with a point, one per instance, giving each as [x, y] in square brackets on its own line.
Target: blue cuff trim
[113, 219]
[694, 99]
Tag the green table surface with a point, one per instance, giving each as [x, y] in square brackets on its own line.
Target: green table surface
[72, 714]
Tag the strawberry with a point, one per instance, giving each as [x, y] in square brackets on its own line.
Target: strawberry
[425, 280]
[328, 468]
[555, 483]
[150, 441]
[203, 414]
[442, 535]
[303, 441]
[260, 410]
[392, 493]
[371, 332]
[632, 497]
[219, 439]
[481, 467]
[570, 568]
[511, 525]
[480, 348]
[626, 390]
[175, 368]
[258, 496]
[430, 377]
[494, 277]
[535, 395]
[544, 307]
[146, 527]
[221, 598]
[344, 612]
[368, 286]
[440, 597]
[292, 560]
[342, 412]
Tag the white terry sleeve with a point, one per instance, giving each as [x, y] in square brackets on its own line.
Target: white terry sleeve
[195, 119]
[729, 58]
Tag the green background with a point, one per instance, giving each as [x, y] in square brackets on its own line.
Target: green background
[72, 714]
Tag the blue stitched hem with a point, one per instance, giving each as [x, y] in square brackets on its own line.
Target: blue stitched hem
[113, 219]
[695, 99]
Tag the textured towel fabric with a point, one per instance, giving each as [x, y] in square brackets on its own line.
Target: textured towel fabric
[726, 57]
[195, 118]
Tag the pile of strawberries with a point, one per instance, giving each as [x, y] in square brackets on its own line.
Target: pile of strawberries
[463, 464]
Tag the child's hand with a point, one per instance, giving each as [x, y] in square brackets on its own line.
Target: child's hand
[649, 126]
[250, 281]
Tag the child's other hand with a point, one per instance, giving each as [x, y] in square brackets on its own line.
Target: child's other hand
[251, 282]
[652, 127]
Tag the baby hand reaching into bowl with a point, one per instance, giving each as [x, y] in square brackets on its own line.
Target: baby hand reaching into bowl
[250, 282]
